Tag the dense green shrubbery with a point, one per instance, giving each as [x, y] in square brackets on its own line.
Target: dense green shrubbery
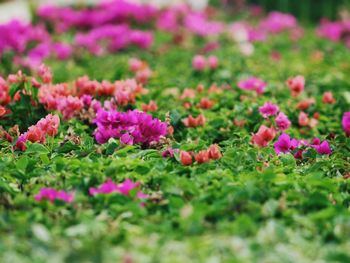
[249, 206]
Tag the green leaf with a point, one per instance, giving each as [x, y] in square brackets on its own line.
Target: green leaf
[22, 163]
[37, 148]
[14, 88]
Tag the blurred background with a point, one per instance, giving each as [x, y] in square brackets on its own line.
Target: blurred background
[310, 11]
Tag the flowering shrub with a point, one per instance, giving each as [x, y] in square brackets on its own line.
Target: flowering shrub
[173, 135]
[132, 127]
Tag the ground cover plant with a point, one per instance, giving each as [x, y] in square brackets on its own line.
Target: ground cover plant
[131, 133]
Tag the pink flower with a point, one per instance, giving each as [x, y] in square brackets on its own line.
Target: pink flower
[202, 157]
[123, 188]
[282, 121]
[253, 84]
[284, 144]
[346, 123]
[69, 106]
[169, 152]
[106, 188]
[52, 195]
[277, 22]
[214, 152]
[47, 126]
[185, 158]
[192, 122]
[126, 138]
[135, 64]
[328, 98]
[268, 109]
[45, 74]
[303, 119]
[263, 136]
[131, 127]
[199, 62]
[296, 85]
[323, 148]
[213, 62]
[330, 30]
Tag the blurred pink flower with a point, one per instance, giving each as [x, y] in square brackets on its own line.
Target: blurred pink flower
[268, 109]
[51, 195]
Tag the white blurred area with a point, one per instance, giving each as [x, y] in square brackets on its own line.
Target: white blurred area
[20, 9]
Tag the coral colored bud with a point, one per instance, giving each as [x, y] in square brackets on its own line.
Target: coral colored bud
[202, 156]
[187, 105]
[205, 103]
[214, 152]
[2, 111]
[328, 98]
[150, 107]
[316, 115]
[239, 123]
[303, 119]
[170, 130]
[263, 136]
[296, 85]
[200, 88]
[201, 120]
[305, 104]
[185, 158]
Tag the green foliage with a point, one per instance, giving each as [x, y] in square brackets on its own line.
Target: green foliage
[249, 206]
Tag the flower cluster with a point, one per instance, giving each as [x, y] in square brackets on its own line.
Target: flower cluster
[336, 31]
[296, 85]
[71, 99]
[106, 12]
[183, 17]
[112, 38]
[200, 62]
[253, 83]
[52, 194]
[131, 127]
[274, 23]
[192, 122]
[141, 69]
[204, 156]
[32, 44]
[47, 126]
[269, 110]
[285, 144]
[263, 136]
[123, 188]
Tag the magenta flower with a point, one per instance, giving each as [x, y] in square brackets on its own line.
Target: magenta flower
[53, 194]
[282, 121]
[285, 144]
[268, 109]
[127, 186]
[346, 123]
[277, 22]
[123, 188]
[199, 62]
[253, 84]
[169, 152]
[198, 24]
[331, 30]
[132, 127]
[323, 148]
